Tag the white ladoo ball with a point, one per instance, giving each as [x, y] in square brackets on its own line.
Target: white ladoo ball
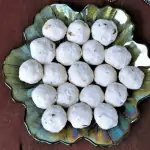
[132, 77]
[116, 94]
[105, 74]
[80, 115]
[80, 74]
[106, 116]
[93, 52]
[43, 50]
[104, 31]
[54, 74]
[54, 29]
[67, 53]
[92, 95]
[54, 119]
[78, 32]
[117, 56]
[30, 71]
[68, 94]
[44, 95]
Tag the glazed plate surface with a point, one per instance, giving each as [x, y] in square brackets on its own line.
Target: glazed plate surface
[21, 92]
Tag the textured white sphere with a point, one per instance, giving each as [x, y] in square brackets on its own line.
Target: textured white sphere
[117, 56]
[93, 52]
[43, 50]
[132, 77]
[80, 115]
[92, 95]
[30, 71]
[67, 53]
[54, 74]
[78, 32]
[116, 94]
[44, 95]
[106, 116]
[105, 74]
[54, 119]
[80, 74]
[68, 94]
[54, 29]
[104, 31]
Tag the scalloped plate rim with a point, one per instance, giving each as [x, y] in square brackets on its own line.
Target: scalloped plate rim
[86, 138]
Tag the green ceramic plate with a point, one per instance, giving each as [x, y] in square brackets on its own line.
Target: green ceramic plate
[21, 91]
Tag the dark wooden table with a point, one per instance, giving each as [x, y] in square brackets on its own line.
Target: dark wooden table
[15, 16]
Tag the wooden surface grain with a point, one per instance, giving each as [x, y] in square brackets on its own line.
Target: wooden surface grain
[15, 16]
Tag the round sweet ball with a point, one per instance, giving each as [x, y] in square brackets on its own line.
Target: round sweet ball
[42, 50]
[132, 77]
[105, 75]
[80, 115]
[117, 56]
[106, 116]
[116, 94]
[68, 94]
[54, 74]
[104, 31]
[54, 29]
[67, 53]
[44, 95]
[54, 119]
[93, 52]
[78, 32]
[80, 74]
[30, 71]
[92, 95]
